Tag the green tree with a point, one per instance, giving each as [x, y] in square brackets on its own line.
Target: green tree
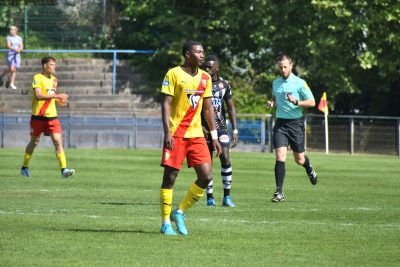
[347, 48]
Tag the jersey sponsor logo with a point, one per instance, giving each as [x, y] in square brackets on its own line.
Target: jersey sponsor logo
[51, 91]
[194, 100]
[193, 91]
[165, 83]
[216, 103]
[224, 138]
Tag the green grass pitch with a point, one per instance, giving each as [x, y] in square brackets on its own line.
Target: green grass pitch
[108, 213]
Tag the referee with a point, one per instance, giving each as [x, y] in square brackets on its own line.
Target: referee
[289, 94]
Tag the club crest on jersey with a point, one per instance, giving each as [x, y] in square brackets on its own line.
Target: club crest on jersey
[194, 100]
[55, 83]
[221, 86]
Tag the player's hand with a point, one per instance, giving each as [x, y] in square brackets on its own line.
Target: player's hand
[270, 104]
[291, 98]
[168, 141]
[235, 140]
[62, 97]
[217, 147]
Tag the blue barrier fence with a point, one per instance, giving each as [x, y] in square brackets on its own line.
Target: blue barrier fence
[113, 52]
[352, 134]
[128, 131]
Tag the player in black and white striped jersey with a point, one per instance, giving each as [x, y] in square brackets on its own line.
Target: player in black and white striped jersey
[222, 93]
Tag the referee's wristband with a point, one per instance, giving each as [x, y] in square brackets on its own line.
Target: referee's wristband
[236, 131]
[214, 134]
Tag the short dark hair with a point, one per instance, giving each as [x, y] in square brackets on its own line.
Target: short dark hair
[188, 46]
[282, 56]
[212, 58]
[46, 60]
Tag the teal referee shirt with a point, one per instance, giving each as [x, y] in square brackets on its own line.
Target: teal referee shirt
[298, 88]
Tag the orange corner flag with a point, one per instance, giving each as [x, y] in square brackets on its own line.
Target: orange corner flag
[323, 104]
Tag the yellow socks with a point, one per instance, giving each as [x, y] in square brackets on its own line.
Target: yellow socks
[166, 204]
[192, 196]
[27, 158]
[62, 160]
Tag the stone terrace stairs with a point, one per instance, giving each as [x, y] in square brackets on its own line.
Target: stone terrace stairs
[88, 82]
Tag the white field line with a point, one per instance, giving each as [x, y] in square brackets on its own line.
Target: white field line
[225, 221]
[64, 189]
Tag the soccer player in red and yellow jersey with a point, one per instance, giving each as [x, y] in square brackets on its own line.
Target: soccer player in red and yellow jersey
[186, 91]
[44, 115]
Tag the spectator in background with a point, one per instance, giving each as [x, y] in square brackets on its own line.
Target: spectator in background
[15, 45]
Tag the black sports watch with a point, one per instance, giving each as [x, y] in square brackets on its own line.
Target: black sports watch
[297, 102]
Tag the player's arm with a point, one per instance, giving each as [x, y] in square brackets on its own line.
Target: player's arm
[40, 96]
[271, 103]
[232, 118]
[209, 115]
[305, 93]
[308, 103]
[165, 114]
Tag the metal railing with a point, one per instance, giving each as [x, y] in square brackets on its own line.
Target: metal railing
[351, 134]
[113, 52]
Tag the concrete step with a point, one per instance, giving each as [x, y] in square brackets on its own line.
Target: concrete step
[70, 83]
[88, 82]
[68, 76]
[97, 97]
[68, 68]
[87, 101]
[71, 90]
[76, 61]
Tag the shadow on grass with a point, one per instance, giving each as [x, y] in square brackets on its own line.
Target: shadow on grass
[107, 231]
[128, 203]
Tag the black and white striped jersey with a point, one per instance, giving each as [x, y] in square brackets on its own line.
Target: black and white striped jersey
[221, 91]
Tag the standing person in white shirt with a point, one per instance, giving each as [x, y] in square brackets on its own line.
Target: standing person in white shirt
[15, 45]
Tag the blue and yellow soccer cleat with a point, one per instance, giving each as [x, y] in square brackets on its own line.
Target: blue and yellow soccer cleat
[67, 172]
[25, 171]
[227, 202]
[166, 229]
[179, 218]
[210, 202]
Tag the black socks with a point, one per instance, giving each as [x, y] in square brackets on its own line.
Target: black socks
[280, 171]
[307, 165]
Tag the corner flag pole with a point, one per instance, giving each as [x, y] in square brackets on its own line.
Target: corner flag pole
[326, 131]
[323, 106]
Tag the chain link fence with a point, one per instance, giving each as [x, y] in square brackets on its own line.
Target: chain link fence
[60, 25]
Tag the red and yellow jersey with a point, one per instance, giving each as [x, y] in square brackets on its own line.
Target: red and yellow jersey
[44, 108]
[188, 93]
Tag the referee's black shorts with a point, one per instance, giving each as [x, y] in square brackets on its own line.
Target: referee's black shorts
[289, 132]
